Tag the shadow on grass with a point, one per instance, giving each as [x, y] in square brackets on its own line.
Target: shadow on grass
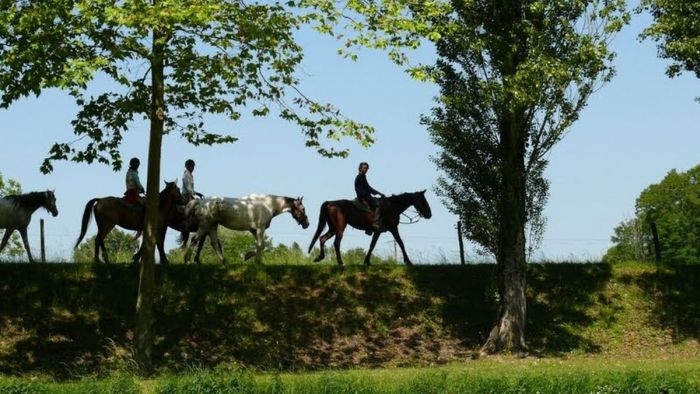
[68, 320]
[62, 320]
[560, 297]
[675, 294]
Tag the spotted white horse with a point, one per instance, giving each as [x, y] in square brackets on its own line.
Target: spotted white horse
[16, 213]
[251, 213]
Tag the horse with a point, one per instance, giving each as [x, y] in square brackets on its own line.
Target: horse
[16, 213]
[339, 213]
[251, 213]
[115, 211]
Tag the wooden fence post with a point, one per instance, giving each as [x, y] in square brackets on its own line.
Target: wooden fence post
[43, 247]
[657, 245]
[461, 242]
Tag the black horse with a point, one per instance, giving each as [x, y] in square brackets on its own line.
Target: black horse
[338, 214]
[16, 213]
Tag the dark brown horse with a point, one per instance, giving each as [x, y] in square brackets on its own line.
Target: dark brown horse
[338, 214]
[115, 211]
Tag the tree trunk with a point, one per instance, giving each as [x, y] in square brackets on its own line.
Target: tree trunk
[144, 303]
[508, 333]
[657, 244]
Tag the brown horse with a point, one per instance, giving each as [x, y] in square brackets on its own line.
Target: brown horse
[338, 214]
[115, 211]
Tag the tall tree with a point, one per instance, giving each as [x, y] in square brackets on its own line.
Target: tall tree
[170, 62]
[513, 76]
[677, 32]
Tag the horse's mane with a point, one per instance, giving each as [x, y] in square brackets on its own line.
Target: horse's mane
[27, 200]
[399, 196]
[256, 196]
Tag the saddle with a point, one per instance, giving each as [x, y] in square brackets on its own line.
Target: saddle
[360, 205]
[140, 204]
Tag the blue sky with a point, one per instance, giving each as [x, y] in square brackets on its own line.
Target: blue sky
[634, 130]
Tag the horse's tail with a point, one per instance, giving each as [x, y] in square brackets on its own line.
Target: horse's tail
[322, 219]
[86, 220]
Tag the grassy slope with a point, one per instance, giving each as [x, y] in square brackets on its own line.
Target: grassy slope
[73, 320]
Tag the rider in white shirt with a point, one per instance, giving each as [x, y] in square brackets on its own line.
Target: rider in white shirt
[188, 192]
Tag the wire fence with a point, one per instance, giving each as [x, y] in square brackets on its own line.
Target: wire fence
[422, 248]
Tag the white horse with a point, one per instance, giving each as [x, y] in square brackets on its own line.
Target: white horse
[251, 213]
[16, 213]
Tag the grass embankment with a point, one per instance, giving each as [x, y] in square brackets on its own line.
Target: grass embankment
[67, 321]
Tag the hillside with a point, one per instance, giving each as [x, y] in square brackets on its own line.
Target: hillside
[66, 320]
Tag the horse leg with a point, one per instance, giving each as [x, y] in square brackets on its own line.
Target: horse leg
[322, 244]
[375, 237]
[259, 245]
[336, 245]
[105, 255]
[5, 238]
[215, 244]
[97, 248]
[161, 249]
[200, 245]
[198, 242]
[184, 236]
[102, 233]
[23, 233]
[397, 237]
[188, 250]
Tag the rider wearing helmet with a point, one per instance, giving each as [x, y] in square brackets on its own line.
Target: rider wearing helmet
[365, 194]
[133, 184]
[188, 192]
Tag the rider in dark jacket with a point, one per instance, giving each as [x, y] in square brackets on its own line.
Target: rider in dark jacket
[365, 194]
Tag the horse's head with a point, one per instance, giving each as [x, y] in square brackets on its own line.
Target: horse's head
[171, 192]
[50, 202]
[299, 212]
[421, 204]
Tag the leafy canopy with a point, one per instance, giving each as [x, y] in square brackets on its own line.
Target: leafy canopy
[677, 33]
[222, 58]
[540, 70]
[674, 205]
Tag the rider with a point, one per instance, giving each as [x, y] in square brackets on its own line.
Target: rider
[133, 184]
[364, 193]
[188, 192]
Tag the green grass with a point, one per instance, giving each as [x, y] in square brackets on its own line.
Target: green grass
[68, 321]
[502, 375]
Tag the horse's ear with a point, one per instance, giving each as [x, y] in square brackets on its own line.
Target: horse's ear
[424, 190]
[301, 198]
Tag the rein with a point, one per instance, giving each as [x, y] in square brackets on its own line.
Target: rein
[411, 219]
